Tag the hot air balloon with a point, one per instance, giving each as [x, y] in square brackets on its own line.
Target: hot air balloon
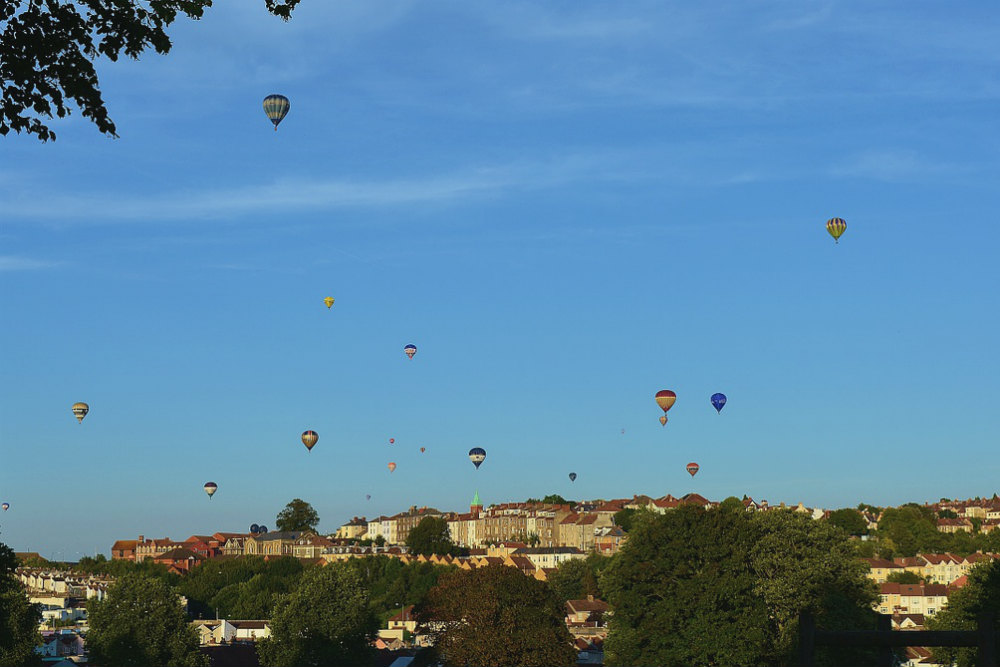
[623, 431]
[392, 466]
[309, 439]
[836, 227]
[718, 402]
[665, 399]
[80, 411]
[254, 529]
[5, 506]
[368, 496]
[477, 455]
[211, 488]
[262, 530]
[329, 301]
[663, 420]
[692, 468]
[572, 477]
[392, 441]
[423, 449]
[276, 107]
[410, 350]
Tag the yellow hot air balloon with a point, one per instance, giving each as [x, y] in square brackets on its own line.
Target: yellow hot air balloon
[663, 420]
[836, 227]
[80, 411]
[392, 466]
[309, 438]
[329, 301]
[665, 399]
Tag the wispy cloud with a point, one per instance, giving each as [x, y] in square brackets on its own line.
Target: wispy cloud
[289, 194]
[893, 165]
[13, 263]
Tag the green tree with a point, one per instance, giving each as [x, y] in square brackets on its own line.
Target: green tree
[429, 537]
[141, 622]
[298, 515]
[577, 578]
[911, 528]
[697, 587]
[623, 518]
[947, 514]
[849, 520]
[496, 616]
[555, 499]
[980, 595]
[904, 577]
[49, 50]
[326, 621]
[19, 618]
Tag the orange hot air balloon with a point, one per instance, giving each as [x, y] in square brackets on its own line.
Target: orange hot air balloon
[663, 420]
[693, 468]
[392, 466]
[309, 439]
[423, 449]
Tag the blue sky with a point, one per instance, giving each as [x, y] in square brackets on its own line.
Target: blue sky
[566, 207]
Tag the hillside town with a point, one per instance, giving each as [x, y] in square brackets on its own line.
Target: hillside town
[534, 538]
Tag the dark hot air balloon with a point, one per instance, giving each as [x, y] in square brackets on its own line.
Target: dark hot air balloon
[410, 350]
[572, 477]
[211, 488]
[276, 107]
[477, 455]
[309, 439]
[718, 401]
[692, 468]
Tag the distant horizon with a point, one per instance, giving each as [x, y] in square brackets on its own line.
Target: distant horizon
[162, 535]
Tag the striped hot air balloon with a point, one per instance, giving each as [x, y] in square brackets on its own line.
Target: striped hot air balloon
[80, 411]
[477, 455]
[410, 350]
[836, 227]
[692, 468]
[211, 488]
[276, 107]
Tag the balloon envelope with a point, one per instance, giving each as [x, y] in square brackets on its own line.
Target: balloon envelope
[410, 350]
[718, 401]
[392, 440]
[663, 420]
[309, 439]
[80, 411]
[211, 488]
[368, 496]
[262, 529]
[836, 227]
[477, 455]
[392, 466]
[5, 506]
[254, 529]
[423, 449]
[692, 468]
[276, 107]
[572, 477]
[329, 301]
[665, 399]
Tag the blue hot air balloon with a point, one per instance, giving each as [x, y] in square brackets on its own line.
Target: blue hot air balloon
[718, 401]
[254, 529]
[276, 107]
[572, 477]
[262, 529]
[477, 455]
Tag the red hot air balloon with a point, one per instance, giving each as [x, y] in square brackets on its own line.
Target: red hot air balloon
[392, 441]
[692, 468]
[392, 466]
[309, 439]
